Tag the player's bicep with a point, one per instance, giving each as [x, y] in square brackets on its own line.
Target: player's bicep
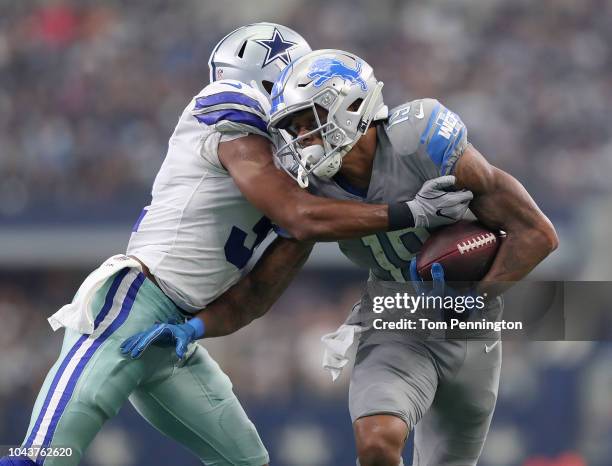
[228, 110]
[500, 200]
[245, 153]
[250, 162]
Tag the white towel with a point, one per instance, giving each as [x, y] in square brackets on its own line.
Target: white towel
[78, 315]
[337, 344]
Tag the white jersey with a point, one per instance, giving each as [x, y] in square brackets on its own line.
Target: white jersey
[199, 232]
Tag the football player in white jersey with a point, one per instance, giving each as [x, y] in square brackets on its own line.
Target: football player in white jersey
[214, 200]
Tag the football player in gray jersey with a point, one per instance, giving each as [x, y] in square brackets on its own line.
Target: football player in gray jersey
[341, 142]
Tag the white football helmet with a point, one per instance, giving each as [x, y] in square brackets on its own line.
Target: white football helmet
[256, 53]
[340, 83]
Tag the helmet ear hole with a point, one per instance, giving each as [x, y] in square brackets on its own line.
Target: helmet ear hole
[356, 105]
[268, 85]
[241, 51]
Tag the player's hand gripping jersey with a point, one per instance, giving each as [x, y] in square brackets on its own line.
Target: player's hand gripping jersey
[420, 140]
[199, 231]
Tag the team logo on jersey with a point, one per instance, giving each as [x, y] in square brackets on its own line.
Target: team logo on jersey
[276, 47]
[325, 69]
[447, 122]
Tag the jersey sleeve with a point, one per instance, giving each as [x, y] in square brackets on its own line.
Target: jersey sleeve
[228, 110]
[434, 135]
[443, 138]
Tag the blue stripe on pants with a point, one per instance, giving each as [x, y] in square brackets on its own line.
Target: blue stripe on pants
[84, 359]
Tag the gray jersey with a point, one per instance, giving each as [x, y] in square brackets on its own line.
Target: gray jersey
[420, 140]
[417, 381]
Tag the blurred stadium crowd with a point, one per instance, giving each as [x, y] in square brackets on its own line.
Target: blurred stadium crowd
[90, 92]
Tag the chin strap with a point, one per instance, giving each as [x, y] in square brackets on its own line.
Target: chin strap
[309, 156]
[368, 113]
[302, 178]
[315, 160]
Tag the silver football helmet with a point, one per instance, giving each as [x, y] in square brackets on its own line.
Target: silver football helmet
[344, 86]
[256, 53]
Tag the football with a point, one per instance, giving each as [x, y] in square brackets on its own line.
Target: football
[465, 249]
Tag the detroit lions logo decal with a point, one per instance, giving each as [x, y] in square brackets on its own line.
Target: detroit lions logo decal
[325, 69]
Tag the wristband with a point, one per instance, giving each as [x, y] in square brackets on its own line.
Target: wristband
[400, 216]
[198, 326]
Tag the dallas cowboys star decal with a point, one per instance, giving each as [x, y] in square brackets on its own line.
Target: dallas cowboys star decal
[276, 47]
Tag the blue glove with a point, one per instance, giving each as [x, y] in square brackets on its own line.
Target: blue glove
[438, 286]
[437, 273]
[169, 334]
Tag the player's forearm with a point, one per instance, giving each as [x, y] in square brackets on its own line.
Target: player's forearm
[502, 203]
[255, 293]
[520, 252]
[434, 205]
[518, 255]
[335, 220]
[304, 216]
[530, 236]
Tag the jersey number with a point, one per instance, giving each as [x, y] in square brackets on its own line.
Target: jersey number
[393, 251]
[236, 252]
